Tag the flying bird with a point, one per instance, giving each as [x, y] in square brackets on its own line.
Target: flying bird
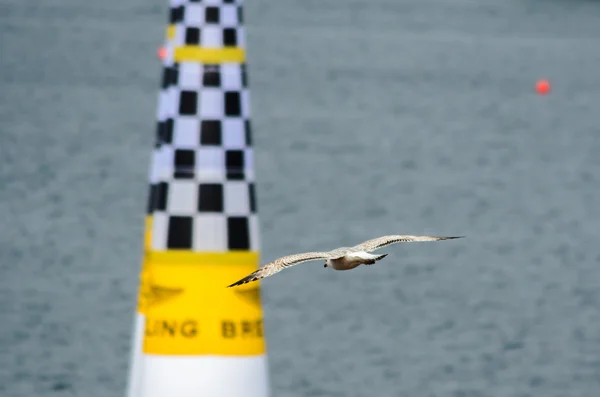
[343, 258]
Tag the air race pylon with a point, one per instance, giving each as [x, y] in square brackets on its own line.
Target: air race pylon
[195, 337]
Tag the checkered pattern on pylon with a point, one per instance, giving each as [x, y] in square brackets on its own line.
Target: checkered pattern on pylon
[201, 214]
[205, 196]
[208, 23]
[162, 115]
[208, 99]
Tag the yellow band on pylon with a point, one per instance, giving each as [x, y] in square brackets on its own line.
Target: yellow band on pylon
[148, 233]
[209, 55]
[170, 35]
[144, 270]
[189, 310]
[192, 53]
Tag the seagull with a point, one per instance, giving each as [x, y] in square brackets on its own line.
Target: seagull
[343, 258]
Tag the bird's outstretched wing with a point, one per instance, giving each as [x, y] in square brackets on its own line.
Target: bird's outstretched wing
[376, 243]
[279, 264]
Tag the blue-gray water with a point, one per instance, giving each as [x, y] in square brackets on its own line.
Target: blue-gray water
[370, 117]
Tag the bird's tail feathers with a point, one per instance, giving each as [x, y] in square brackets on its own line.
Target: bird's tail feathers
[374, 259]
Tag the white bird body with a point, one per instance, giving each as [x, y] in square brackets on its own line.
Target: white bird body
[343, 258]
[352, 260]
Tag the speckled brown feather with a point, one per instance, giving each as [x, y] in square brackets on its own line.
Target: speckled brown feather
[380, 242]
[279, 264]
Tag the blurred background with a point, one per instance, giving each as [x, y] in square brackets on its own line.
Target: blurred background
[369, 117]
